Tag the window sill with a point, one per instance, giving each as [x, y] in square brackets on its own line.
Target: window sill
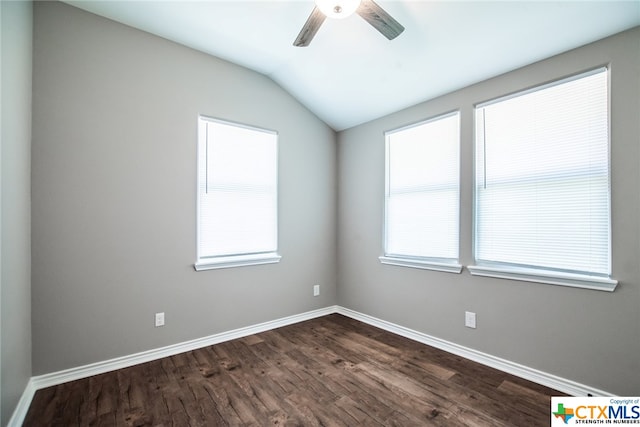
[236, 261]
[545, 276]
[422, 264]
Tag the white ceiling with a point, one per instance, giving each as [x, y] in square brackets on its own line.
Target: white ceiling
[350, 73]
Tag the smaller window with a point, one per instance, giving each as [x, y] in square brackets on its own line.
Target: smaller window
[423, 195]
[237, 195]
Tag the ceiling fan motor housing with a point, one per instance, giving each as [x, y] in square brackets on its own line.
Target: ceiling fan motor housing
[338, 9]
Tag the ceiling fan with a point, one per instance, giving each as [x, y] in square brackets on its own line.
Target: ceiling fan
[340, 9]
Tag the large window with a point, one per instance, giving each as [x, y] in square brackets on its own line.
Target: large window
[542, 186]
[422, 195]
[237, 195]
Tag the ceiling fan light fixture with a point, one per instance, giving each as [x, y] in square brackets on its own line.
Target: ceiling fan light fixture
[368, 10]
[338, 9]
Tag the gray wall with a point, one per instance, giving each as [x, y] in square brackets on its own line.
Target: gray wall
[114, 193]
[588, 336]
[15, 226]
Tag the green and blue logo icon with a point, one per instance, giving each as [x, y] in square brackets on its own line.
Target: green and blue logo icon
[565, 414]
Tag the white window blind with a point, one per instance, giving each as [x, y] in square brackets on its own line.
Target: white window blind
[422, 193]
[237, 195]
[542, 178]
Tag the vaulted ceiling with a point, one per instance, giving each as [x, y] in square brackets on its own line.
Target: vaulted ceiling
[350, 73]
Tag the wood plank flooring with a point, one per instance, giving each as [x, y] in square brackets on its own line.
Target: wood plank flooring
[330, 371]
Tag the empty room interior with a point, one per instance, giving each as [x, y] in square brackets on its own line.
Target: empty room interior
[119, 246]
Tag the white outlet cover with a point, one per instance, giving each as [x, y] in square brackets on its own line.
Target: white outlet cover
[469, 319]
[159, 319]
[316, 290]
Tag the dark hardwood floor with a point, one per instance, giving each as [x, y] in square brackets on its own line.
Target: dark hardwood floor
[330, 371]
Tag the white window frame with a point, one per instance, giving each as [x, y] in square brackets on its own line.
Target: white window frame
[538, 274]
[207, 262]
[449, 265]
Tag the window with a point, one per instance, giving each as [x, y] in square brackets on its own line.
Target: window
[422, 195]
[237, 195]
[542, 188]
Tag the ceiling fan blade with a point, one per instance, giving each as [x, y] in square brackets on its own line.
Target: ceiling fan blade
[379, 19]
[310, 28]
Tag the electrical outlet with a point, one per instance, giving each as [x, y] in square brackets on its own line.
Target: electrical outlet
[316, 290]
[470, 319]
[159, 319]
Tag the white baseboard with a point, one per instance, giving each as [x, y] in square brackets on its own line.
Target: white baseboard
[561, 384]
[42, 381]
[17, 418]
